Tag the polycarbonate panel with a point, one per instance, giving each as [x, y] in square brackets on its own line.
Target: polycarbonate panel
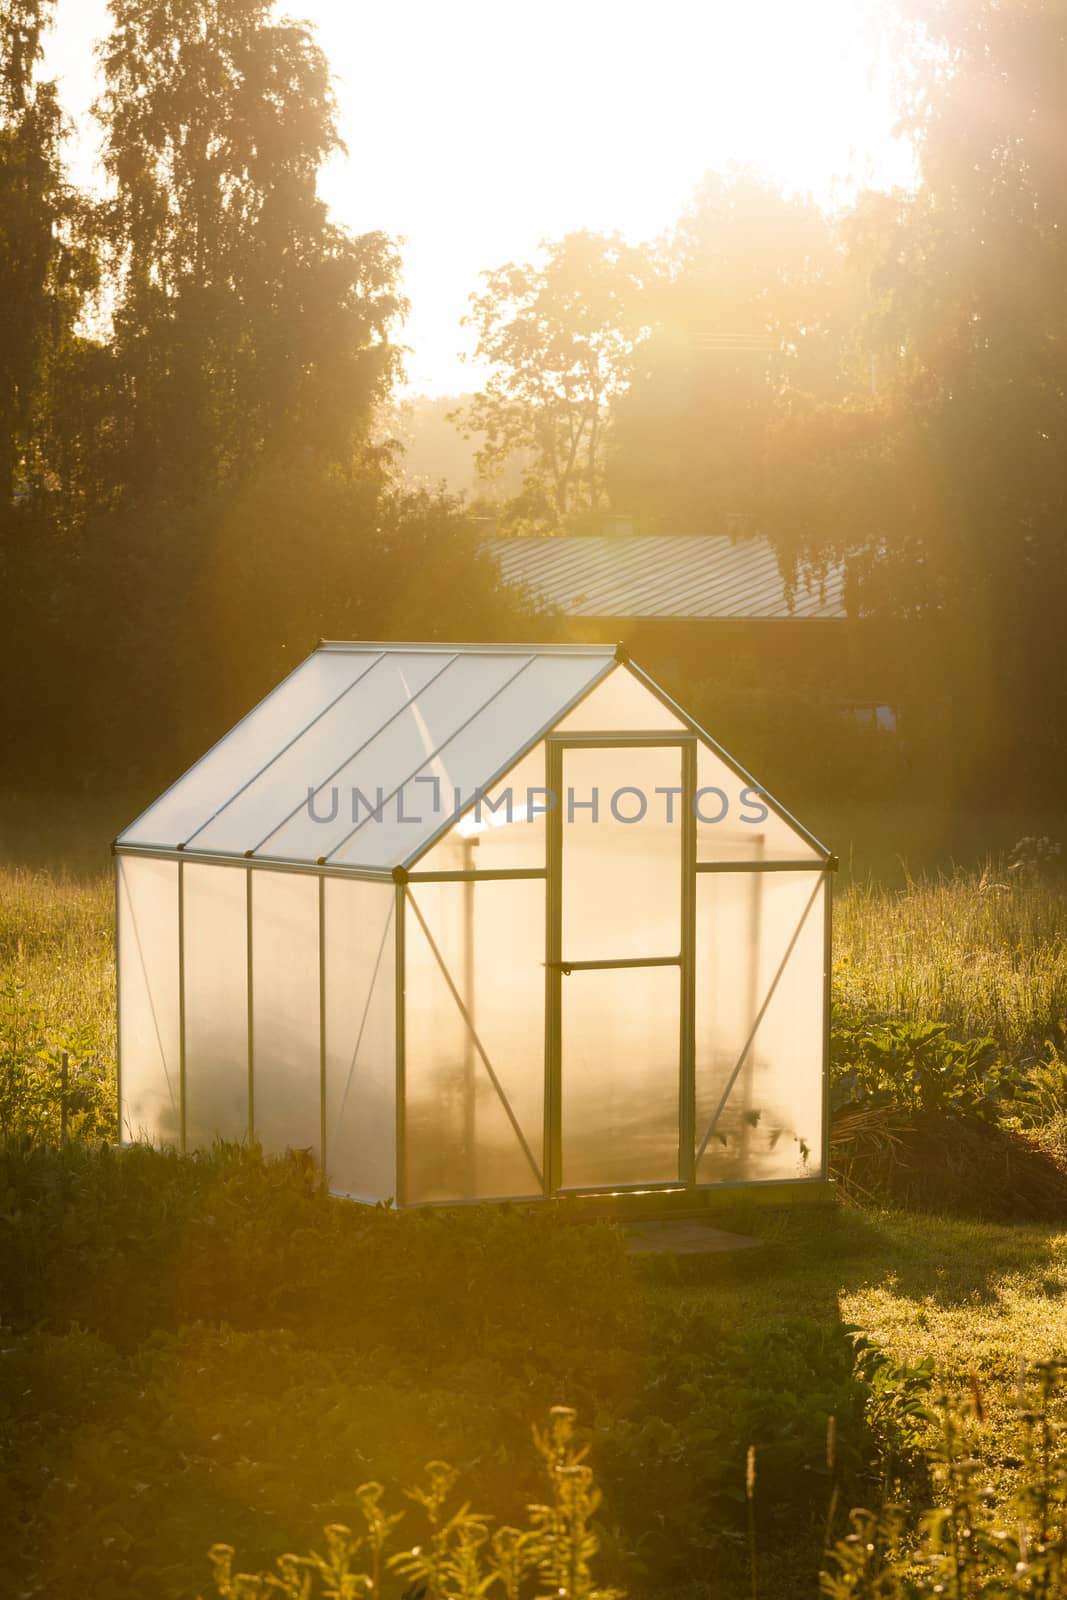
[459, 1141]
[350, 799]
[286, 1069]
[621, 704]
[282, 789]
[216, 1004]
[771, 1123]
[149, 1024]
[620, 1067]
[503, 833]
[444, 786]
[734, 821]
[360, 971]
[622, 852]
[247, 748]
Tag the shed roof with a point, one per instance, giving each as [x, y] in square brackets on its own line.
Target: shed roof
[706, 576]
[390, 718]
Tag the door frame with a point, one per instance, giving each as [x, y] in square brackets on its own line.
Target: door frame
[556, 745]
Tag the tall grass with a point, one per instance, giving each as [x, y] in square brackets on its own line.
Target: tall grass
[985, 952]
[57, 940]
[57, 993]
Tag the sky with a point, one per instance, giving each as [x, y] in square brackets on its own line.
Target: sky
[477, 128]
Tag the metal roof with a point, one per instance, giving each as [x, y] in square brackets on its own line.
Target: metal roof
[704, 576]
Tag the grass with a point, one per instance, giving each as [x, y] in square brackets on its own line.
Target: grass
[191, 1358]
[238, 1355]
[982, 951]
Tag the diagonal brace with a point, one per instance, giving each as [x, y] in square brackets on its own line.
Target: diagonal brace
[486, 1063]
[735, 1074]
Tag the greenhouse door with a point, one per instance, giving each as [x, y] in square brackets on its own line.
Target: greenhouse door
[616, 959]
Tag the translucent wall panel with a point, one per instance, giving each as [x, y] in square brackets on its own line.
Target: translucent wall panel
[149, 1043]
[759, 1025]
[620, 1065]
[505, 832]
[622, 878]
[247, 748]
[460, 1140]
[523, 708]
[286, 1069]
[620, 703]
[216, 1004]
[281, 789]
[393, 755]
[735, 823]
[360, 972]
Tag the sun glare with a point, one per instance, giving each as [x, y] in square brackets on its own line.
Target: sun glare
[475, 130]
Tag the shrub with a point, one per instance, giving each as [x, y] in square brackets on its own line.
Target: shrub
[919, 1067]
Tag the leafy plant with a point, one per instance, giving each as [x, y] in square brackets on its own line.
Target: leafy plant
[461, 1558]
[920, 1066]
[967, 1544]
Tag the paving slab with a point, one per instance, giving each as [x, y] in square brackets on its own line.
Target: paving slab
[684, 1237]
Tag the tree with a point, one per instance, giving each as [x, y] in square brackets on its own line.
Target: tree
[946, 489]
[559, 339]
[247, 325]
[742, 317]
[44, 269]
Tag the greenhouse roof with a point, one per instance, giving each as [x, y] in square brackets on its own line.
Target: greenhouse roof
[349, 760]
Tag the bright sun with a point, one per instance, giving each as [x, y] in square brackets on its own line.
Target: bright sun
[477, 128]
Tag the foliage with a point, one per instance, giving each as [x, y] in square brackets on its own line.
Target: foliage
[47, 266]
[260, 1337]
[920, 1067]
[247, 325]
[747, 301]
[559, 340]
[981, 951]
[967, 1543]
[49, 1090]
[461, 1559]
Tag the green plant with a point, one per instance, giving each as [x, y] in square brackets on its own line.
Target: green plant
[920, 1067]
[969, 1543]
[461, 1558]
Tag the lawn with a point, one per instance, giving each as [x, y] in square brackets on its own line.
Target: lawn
[203, 1350]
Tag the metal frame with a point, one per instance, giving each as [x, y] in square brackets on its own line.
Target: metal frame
[685, 739]
[427, 760]
[553, 1162]
[556, 968]
[322, 1028]
[208, 858]
[735, 767]
[352, 754]
[355, 646]
[181, 1006]
[687, 1046]
[117, 924]
[819, 874]
[483, 1055]
[827, 995]
[399, 1045]
[512, 762]
[762, 866]
[287, 746]
[250, 1021]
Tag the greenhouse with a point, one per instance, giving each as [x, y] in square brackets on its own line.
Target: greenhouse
[476, 922]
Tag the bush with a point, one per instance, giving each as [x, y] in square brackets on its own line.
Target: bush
[921, 1068]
